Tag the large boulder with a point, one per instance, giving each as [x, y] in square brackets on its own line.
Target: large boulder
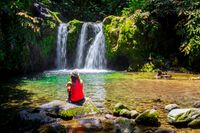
[182, 116]
[148, 118]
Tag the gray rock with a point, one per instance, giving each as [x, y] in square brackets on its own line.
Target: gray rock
[148, 118]
[170, 107]
[182, 116]
[109, 116]
[91, 124]
[124, 125]
[196, 104]
[39, 117]
[134, 114]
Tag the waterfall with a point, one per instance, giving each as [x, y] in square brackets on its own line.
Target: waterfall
[81, 46]
[95, 58]
[61, 60]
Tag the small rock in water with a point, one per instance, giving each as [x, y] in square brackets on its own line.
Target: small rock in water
[196, 104]
[164, 131]
[124, 125]
[91, 124]
[134, 114]
[170, 107]
[109, 116]
[117, 109]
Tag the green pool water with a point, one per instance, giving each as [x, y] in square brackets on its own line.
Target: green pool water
[138, 91]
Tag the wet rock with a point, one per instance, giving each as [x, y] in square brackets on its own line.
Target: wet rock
[109, 116]
[164, 131]
[149, 131]
[117, 109]
[107, 125]
[39, 117]
[181, 117]
[195, 123]
[170, 107]
[87, 108]
[148, 118]
[134, 114]
[196, 104]
[125, 113]
[51, 128]
[91, 124]
[124, 125]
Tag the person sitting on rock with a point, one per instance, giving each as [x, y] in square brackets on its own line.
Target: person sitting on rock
[75, 88]
[163, 75]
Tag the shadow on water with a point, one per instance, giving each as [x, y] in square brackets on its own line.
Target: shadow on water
[12, 100]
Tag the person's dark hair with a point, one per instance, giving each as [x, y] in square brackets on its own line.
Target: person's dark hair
[73, 79]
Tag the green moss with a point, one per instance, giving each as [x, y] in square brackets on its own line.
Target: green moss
[125, 113]
[86, 109]
[47, 44]
[74, 30]
[118, 108]
[194, 124]
[73, 33]
[148, 118]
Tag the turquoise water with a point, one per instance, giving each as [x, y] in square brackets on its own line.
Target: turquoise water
[138, 91]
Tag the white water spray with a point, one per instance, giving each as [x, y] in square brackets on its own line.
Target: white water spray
[81, 46]
[95, 58]
[61, 59]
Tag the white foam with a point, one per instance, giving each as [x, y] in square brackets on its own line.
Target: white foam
[84, 71]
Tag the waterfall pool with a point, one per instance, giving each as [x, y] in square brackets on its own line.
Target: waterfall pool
[138, 91]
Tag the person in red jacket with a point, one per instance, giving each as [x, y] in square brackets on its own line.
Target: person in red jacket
[75, 88]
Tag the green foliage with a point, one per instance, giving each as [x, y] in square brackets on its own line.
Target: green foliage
[189, 29]
[47, 45]
[134, 5]
[148, 67]
[73, 33]
[130, 38]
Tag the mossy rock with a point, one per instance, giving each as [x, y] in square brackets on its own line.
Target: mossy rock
[74, 30]
[148, 118]
[125, 113]
[195, 123]
[87, 108]
[181, 117]
[118, 108]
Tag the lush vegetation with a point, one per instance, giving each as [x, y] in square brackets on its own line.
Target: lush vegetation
[154, 34]
[141, 34]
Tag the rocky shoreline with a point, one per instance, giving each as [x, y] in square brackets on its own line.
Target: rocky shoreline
[59, 116]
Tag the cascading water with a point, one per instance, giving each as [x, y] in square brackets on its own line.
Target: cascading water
[61, 59]
[95, 58]
[81, 46]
